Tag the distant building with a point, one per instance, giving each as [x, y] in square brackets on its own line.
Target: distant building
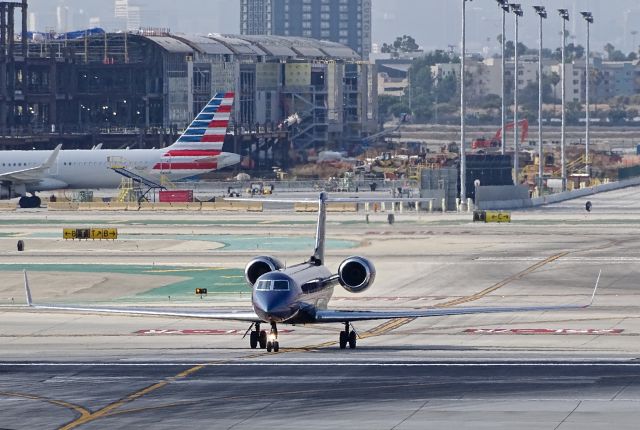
[393, 77]
[344, 21]
[157, 80]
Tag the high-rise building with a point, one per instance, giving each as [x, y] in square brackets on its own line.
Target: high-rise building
[343, 21]
[121, 9]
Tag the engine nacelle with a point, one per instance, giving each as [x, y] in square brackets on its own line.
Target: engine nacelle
[356, 274]
[259, 266]
[6, 191]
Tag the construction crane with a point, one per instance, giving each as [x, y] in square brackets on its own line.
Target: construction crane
[495, 142]
[404, 118]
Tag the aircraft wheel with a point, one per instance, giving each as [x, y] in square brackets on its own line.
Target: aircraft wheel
[343, 339]
[269, 346]
[276, 346]
[253, 340]
[36, 201]
[263, 339]
[23, 202]
[352, 340]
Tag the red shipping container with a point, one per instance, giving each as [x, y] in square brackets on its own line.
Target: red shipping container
[176, 196]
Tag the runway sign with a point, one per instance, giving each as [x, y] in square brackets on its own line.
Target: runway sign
[165, 331]
[90, 233]
[589, 331]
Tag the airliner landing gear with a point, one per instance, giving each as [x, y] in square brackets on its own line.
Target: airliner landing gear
[258, 337]
[29, 202]
[272, 342]
[348, 336]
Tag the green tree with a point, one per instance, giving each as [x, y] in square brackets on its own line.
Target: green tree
[403, 43]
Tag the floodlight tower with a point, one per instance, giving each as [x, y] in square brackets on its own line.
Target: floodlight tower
[542, 13]
[564, 14]
[517, 13]
[463, 111]
[588, 17]
[505, 10]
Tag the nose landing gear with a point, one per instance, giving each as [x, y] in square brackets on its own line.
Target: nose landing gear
[348, 336]
[272, 341]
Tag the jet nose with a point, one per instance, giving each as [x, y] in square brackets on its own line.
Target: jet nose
[272, 306]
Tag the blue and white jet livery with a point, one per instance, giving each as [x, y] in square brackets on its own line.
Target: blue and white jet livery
[300, 294]
[198, 150]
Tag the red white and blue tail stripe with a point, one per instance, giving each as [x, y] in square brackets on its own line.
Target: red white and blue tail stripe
[202, 141]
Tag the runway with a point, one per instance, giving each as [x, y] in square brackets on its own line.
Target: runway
[320, 395]
[564, 369]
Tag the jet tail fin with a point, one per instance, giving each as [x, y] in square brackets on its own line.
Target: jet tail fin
[27, 290]
[318, 252]
[205, 135]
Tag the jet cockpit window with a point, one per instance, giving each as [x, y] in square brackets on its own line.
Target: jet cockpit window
[282, 285]
[279, 285]
[263, 286]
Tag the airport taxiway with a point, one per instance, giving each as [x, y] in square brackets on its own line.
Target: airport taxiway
[566, 369]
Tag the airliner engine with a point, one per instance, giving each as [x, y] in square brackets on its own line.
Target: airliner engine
[259, 266]
[356, 274]
[6, 192]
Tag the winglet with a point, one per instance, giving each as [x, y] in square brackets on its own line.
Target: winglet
[593, 296]
[52, 157]
[27, 290]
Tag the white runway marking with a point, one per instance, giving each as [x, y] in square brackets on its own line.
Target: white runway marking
[333, 364]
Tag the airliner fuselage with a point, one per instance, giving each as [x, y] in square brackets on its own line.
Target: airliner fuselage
[94, 168]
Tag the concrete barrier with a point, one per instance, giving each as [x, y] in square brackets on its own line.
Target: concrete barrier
[560, 197]
[63, 206]
[331, 207]
[8, 206]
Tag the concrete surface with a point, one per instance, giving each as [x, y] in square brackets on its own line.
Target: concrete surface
[568, 369]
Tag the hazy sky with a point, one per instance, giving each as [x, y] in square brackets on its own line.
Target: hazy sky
[433, 23]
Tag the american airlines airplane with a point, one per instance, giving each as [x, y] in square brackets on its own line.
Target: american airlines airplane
[197, 151]
[299, 294]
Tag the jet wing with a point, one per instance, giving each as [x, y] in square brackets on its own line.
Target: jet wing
[333, 316]
[231, 315]
[32, 174]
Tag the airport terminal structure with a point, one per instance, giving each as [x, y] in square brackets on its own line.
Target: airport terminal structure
[68, 88]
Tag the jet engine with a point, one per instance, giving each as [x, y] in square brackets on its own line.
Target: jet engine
[259, 266]
[356, 274]
[6, 192]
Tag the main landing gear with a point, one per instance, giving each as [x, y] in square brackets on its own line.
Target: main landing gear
[348, 336]
[260, 337]
[29, 202]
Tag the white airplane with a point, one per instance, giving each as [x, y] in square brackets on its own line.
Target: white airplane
[300, 293]
[197, 151]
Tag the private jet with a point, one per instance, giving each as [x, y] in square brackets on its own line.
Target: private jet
[300, 294]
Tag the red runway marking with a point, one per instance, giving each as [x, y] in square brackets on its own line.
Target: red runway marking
[218, 332]
[590, 331]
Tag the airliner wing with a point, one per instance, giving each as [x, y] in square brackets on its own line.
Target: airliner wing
[32, 174]
[231, 315]
[333, 316]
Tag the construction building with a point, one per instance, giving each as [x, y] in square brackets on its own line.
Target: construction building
[142, 88]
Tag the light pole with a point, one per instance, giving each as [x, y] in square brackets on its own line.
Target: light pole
[541, 11]
[517, 12]
[564, 14]
[588, 16]
[463, 110]
[505, 9]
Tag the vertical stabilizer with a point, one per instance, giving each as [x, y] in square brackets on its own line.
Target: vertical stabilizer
[205, 135]
[318, 253]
